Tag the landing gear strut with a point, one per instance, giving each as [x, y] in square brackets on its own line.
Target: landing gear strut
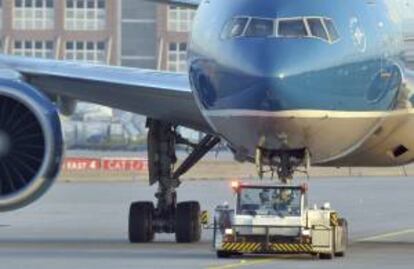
[282, 162]
[168, 216]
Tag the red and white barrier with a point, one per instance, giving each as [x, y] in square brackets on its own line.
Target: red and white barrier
[105, 164]
[124, 164]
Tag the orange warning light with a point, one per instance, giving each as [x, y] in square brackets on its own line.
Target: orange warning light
[235, 185]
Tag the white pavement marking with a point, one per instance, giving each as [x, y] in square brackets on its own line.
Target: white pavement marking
[386, 235]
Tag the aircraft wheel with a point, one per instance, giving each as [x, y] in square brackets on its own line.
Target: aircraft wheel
[187, 222]
[140, 228]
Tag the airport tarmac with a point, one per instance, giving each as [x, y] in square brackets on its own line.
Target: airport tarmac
[84, 225]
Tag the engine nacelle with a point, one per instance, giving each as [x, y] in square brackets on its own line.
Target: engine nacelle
[31, 144]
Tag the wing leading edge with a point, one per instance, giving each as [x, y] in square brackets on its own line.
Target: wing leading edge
[159, 95]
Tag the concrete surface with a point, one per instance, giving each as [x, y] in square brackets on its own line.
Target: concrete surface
[84, 225]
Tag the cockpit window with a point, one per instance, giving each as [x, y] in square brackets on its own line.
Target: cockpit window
[333, 33]
[235, 28]
[316, 28]
[260, 28]
[292, 28]
[296, 27]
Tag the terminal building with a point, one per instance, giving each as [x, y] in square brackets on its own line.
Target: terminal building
[154, 36]
[79, 30]
[131, 33]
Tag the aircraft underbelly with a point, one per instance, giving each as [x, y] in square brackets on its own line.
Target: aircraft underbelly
[333, 138]
[392, 144]
[327, 135]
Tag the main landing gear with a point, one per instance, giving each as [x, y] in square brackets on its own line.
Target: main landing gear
[168, 215]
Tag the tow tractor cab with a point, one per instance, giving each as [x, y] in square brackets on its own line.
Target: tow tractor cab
[276, 219]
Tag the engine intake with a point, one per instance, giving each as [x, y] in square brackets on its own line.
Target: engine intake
[31, 146]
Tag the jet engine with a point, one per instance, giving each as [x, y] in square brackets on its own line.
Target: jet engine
[31, 144]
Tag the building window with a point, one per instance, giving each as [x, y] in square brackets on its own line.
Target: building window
[177, 57]
[180, 19]
[85, 15]
[33, 14]
[86, 51]
[34, 48]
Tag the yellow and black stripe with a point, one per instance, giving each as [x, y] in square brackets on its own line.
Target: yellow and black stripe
[258, 247]
[204, 217]
[334, 219]
[242, 247]
[291, 248]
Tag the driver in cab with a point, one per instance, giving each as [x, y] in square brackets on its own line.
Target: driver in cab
[281, 200]
[276, 202]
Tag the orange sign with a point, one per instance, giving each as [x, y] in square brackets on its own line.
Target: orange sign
[81, 164]
[105, 164]
[124, 164]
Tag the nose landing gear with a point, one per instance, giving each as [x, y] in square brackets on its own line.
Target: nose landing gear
[282, 162]
[168, 216]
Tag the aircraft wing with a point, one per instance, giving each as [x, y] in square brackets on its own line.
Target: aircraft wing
[159, 95]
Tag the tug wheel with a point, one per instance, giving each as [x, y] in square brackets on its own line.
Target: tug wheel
[325, 256]
[344, 224]
[223, 254]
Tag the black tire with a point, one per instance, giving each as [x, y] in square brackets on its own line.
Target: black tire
[325, 256]
[140, 228]
[223, 254]
[340, 254]
[187, 222]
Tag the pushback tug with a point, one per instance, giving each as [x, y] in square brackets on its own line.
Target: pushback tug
[273, 219]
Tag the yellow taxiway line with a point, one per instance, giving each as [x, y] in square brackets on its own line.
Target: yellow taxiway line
[241, 264]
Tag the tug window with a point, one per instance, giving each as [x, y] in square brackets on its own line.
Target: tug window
[333, 33]
[235, 28]
[260, 28]
[317, 29]
[292, 28]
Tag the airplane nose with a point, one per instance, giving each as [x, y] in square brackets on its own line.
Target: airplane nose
[251, 76]
[267, 84]
[281, 80]
[263, 69]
